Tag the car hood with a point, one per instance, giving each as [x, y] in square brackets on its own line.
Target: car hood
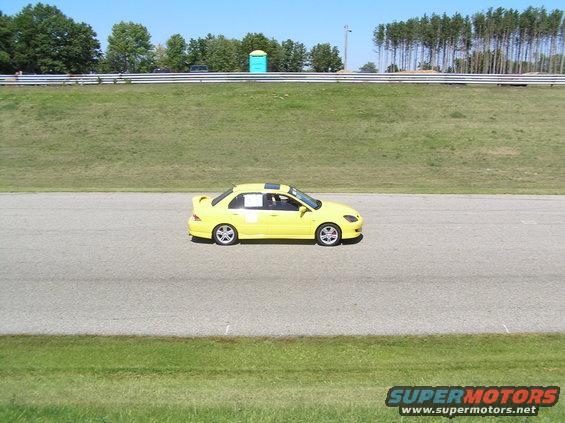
[342, 209]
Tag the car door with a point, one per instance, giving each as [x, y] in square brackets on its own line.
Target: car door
[249, 211]
[285, 219]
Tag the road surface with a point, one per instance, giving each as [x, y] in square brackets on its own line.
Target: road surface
[121, 263]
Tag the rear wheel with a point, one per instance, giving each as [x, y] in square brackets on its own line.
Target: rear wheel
[328, 235]
[225, 234]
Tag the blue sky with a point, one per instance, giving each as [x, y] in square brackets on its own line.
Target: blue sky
[307, 21]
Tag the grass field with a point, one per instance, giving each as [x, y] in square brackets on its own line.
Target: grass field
[101, 379]
[321, 137]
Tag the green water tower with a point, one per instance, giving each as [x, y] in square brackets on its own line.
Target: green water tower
[257, 61]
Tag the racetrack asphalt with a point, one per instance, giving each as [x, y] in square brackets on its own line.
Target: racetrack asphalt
[121, 263]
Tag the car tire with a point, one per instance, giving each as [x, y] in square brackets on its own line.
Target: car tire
[328, 235]
[224, 234]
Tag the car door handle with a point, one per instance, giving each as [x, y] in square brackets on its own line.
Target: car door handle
[274, 215]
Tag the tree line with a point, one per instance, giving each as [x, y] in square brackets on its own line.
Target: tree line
[41, 39]
[496, 41]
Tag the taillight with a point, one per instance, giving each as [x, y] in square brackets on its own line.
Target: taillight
[196, 218]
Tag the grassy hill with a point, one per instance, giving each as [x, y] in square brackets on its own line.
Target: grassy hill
[322, 137]
[319, 379]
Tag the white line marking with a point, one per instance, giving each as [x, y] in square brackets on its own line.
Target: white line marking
[228, 329]
[505, 328]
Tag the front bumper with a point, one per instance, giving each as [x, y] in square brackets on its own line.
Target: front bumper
[352, 229]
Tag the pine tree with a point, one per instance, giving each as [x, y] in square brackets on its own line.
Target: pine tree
[495, 41]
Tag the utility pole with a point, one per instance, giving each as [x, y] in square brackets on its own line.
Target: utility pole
[346, 30]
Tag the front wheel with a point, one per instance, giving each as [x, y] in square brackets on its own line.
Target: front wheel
[328, 235]
[224, 234]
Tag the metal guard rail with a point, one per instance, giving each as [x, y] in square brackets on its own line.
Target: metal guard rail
[226, 77]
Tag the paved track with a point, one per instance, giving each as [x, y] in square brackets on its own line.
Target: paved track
[122, 264]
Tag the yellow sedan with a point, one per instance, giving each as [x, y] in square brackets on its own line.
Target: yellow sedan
[260, 211]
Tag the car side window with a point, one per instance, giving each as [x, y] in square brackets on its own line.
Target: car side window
[281, 202]
[248, 201]
[236, 202]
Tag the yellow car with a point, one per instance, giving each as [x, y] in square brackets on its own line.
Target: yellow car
[259, 211]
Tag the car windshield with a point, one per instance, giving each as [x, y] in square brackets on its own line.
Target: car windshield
[221, 196]
[312, 202]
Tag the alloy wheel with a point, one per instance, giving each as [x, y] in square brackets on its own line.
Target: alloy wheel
[329, 235]
[225, 234]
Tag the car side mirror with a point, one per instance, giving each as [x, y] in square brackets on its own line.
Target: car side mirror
[302, 210]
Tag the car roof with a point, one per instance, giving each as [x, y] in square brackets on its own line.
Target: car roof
[261, 187]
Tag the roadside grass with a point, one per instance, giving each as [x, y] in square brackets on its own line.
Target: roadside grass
[320, 137]
[100, 379]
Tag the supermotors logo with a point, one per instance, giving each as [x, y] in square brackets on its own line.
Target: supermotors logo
[452, 401]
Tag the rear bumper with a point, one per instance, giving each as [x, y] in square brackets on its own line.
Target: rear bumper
[199, 229]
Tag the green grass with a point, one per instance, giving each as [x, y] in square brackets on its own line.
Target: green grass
[101, 379]
[322, 137]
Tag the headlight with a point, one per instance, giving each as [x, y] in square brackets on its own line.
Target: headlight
[350, 218]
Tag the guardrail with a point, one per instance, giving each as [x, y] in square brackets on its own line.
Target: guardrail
[220, 77]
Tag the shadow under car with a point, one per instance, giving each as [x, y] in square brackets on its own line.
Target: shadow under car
[276, 241]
